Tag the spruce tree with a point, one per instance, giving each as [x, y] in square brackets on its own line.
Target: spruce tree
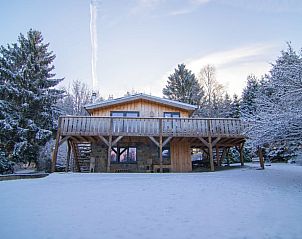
[226, 106]
[249, 94]
[183, 86]
[235, 107]
[278, 115]
[28, 97]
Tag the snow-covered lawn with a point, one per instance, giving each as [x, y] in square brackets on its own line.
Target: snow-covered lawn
[237, 203]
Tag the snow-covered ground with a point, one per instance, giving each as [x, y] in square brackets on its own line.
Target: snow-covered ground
[236, 203]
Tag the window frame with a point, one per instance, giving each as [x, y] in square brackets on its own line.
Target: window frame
[168, 148]
[172, 114]
[166, 159]
[118, 153]
[124, 113]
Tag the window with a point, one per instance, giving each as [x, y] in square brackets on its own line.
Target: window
[132, 154]
[171, 114]
[113, 155]
[166, 153]
[123, 155]
[171, 124]
[117, 114]
[124, 113]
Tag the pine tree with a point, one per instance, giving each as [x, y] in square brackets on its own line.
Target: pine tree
[183, 86]
[28, 97]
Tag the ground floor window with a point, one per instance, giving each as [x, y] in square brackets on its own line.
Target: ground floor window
[166, 153]
[123, 155]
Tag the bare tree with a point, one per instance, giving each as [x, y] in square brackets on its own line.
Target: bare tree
[212, 88]
[81, 96]
[76, 98]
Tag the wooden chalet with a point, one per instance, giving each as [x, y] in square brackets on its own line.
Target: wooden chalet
[143, 133]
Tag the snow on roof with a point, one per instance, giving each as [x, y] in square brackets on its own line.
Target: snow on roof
[139, 96]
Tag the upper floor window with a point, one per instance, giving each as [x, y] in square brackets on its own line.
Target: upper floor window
[171, 114]
[124, 113]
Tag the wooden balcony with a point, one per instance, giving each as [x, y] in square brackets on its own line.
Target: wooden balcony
[166, 127]
[203, 133]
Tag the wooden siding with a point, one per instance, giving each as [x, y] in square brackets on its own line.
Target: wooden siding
[142, 106]
[180, 156]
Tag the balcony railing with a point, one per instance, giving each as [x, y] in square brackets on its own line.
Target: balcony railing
[182, 127]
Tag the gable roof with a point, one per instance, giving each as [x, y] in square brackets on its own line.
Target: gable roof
[107, 103]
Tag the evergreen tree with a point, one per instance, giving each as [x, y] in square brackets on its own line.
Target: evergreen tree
[235, 107]
[183, 86]
[278, 116]
[249, 94]
[226, 106]
[27, 97]
[216, 107]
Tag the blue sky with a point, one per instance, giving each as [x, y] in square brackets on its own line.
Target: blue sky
[140, 42]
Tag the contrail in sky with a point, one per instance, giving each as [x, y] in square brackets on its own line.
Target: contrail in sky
[94, 42]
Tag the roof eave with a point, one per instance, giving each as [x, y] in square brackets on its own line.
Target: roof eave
[144, 97]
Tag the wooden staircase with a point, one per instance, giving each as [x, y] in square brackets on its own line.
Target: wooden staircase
[81, 152]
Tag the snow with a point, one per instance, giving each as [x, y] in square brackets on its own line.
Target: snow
[235, 203]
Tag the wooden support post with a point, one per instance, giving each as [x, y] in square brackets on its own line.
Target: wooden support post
[227, 156]
[109, 153]
[109, 145]
[161, 145]
[261, 159]
[75, 156]
[210, 147]
[55, 151]
[217, 155]
[211, 154]
[68, 156]
[161, 154]
[241, 147]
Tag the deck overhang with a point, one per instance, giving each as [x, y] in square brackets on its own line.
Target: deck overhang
[199, 132]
